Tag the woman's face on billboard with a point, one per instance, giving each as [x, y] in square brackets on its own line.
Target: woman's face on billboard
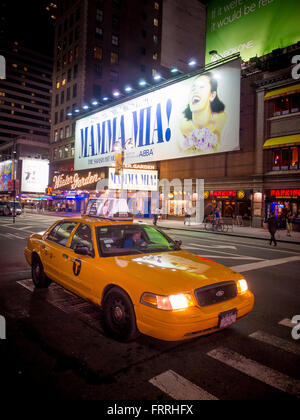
[201, 94]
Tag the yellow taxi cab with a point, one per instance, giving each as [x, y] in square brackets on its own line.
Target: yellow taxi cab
[142, 279]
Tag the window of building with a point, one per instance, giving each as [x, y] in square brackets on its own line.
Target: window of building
[66, 150]
[55, 135]
[155, 56]
[99, 34]
[144, 33]
[62, 98]
[143, 68]
[76, 52]
[70, 37]
[115, 21]
[114, 58]
[56, 99]
[61, 134]
[70, 56]
[54, 154]
[75, 74]
[143, 50]
[68, 131]
[56, 118]
[116, 4]
[69, 75]
[285, 159]
[113, 76]
[96, 91]
[155, 22]
[68, 94]
[156, 5]
[72, 149]
[77, 15]
[99, 15]
[155, 39]
[61, 116]
[286, 105]
[98, 53]
[76, 33]
[98, 70]
[75, 90]
[115, 40]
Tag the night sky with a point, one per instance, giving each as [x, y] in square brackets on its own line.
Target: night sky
[29, 23]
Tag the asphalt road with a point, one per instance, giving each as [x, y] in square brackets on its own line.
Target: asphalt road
[55, 347]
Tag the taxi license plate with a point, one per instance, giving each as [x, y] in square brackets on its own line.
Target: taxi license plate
[227, 318]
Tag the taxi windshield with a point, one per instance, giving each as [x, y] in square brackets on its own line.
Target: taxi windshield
[131, 240]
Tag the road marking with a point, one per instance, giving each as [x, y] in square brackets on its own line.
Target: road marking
[256, 370]
[230, 257]
[69, 303]
[216, 246]
[11, 236]
[180, 388]
[287, 323]
[195, 246]
[286, 345]
[262, 264]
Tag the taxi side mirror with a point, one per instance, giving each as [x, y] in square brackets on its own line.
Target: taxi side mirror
[82, 250]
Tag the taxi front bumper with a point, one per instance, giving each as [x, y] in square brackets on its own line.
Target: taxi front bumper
[191, 322]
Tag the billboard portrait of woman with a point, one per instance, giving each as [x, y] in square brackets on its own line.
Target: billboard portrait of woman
[204, 117]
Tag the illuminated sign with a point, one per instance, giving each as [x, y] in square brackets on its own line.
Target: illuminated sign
[6, 169]
[285, 193]
[197, 116]
[35, 175]
[74, 181]
[250, 27]
[133, 179]
[225, 194]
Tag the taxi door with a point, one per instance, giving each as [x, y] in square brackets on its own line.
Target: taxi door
[53, 247]
[79, 271]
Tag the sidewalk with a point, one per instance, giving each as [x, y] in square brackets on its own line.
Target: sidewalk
[239, 231]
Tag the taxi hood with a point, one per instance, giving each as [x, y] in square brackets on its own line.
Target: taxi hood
[174, 272]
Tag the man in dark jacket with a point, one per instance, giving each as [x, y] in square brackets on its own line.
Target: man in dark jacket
[272, 225]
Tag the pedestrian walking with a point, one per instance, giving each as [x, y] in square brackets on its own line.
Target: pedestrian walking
[289, 226]
[187, 220]
[155, 216]
[273, 226]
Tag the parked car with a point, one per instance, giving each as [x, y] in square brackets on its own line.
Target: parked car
[4, 208]
[17, 207]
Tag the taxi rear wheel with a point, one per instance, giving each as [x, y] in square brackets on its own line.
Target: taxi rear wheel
[118, 315]
[39, 278]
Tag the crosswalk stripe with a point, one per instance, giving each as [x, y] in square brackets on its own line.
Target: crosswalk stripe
[287, 323]
[262, 264]
[286, 345]
[256, 370]
[180, 388]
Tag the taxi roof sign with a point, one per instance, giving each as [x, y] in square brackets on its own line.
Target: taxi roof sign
[109, 208]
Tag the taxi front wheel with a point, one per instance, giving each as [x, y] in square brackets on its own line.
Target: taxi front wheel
[118, 315]
[39, 278]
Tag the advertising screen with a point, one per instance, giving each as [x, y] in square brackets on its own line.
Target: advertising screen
[251, 27]
[5, 174]
[35, 175]
[196, 116]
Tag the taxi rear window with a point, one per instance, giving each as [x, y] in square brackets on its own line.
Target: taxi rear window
[131, 240]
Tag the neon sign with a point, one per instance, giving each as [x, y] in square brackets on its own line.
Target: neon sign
[75, 181]
[285, 193]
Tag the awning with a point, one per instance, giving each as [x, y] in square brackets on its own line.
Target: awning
[287, 90]
[282, 141]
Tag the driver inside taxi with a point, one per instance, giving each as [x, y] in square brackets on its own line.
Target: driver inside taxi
[134, 241]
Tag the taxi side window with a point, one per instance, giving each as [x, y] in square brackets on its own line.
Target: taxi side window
[83, 237]
[61, 232]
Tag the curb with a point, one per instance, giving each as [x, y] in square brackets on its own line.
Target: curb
[228, 234]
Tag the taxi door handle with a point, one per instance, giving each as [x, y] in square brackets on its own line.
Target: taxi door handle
[65, 256]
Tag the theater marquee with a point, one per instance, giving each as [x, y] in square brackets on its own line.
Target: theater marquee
[197, 116]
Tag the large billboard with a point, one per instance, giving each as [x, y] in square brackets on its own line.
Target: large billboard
[251, 27]
[35, 175]
[196, 116]
[6, 169]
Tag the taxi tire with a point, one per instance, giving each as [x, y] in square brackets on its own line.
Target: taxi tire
[119, 320]
[39, 278]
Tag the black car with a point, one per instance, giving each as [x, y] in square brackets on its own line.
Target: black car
[5, 208]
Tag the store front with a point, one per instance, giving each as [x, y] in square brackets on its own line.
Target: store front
[70, 191]
[231, 203]
[282, 201]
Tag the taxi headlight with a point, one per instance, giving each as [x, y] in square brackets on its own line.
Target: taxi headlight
[167, 303]
[242, 286]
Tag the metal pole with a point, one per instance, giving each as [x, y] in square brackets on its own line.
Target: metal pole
[14, 179]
